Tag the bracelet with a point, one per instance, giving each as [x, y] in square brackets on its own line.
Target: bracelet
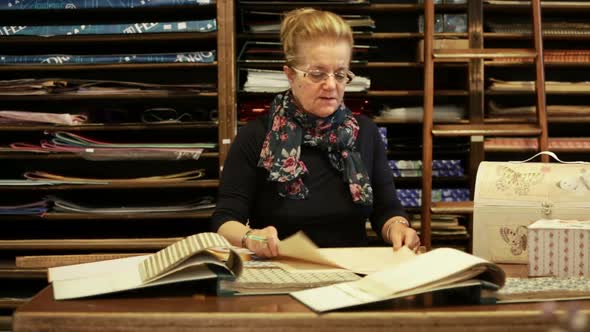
[399, 220]
[245, 237]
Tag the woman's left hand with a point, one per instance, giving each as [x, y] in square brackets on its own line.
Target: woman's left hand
[402, 235]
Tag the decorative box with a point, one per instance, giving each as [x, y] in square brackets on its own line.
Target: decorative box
[559, 248]
[510, 196]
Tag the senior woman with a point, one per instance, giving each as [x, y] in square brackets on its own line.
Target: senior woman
[310, 165]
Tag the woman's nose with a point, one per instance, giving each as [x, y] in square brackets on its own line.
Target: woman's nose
[329, 83]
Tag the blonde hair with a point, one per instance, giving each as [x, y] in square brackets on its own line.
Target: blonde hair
[311, 24]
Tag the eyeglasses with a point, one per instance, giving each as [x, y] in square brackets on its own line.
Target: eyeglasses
[318, 76]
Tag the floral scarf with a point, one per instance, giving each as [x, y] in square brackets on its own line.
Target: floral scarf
[336, 134]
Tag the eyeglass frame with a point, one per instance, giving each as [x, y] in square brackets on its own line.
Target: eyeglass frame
[349, 75]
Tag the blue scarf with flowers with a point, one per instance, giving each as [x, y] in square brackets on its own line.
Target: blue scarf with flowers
[336, 134]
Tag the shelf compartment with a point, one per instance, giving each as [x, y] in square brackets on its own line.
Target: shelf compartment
[465, 207]
[138, 185]
[144, 244]
[114, 66]
[453, 130]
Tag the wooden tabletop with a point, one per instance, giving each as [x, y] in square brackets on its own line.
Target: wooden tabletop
[272, 313]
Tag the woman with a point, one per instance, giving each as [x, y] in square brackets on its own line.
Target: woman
[310, 165]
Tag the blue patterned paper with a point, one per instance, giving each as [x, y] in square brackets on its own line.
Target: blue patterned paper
[99, 29]
[435, 172]
[28, 211]
[440, 167]
[65, 59]
[91, 4]
[383, 134]
[413, 197]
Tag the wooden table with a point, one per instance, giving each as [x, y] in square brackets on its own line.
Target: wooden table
[276, 313]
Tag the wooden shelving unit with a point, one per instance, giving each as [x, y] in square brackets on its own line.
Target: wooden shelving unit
[69, 232]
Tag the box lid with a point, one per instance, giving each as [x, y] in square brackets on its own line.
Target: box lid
[560, 224]
[517, 184]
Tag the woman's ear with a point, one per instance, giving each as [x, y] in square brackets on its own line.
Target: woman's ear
[290, 73]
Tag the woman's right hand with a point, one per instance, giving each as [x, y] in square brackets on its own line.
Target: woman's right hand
[263, 242]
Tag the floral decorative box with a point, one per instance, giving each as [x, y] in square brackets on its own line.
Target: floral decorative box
[559, 248]
[509, 196]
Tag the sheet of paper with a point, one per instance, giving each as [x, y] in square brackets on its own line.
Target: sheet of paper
[125, 279]
[365, 260]
[84, 270]
[300, 247]
[298, 253]
[438, 268]
[298, 266]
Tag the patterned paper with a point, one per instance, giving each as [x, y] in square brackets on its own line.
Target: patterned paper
[64, 59]
[413, 197]
[109, 29]
[559, 248]
[440, 167]
[93, 4]
[544, 288]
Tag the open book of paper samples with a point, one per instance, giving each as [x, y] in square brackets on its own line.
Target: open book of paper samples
[439, 269]
[187, 260]
[389, 274]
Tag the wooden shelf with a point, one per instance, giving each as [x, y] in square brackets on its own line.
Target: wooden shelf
[482, 53]
[19, 273]
[113, 126]
[359, 8]
[525, 8]
[512, 93]
[452, 207]
[206, 8]
[67, 155]
[550, 119]
[547, 64]
[143, 244]
[353, 65]
[17, 41]
[524, 129]
[386, 121]
[413, 93]
[420, 65]
[362, 36]
[64, 216]
[121, 96]
[137, 185]
[123, 66]
[379, 93]
[518, 149]
[522, 36]
[404, 180]
[447, 7]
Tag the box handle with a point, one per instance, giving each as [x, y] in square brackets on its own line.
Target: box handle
[554, 156]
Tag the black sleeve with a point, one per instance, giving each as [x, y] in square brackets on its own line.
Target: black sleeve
[238, 179]
[385, 202]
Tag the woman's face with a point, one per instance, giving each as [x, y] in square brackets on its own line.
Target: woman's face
[320, 98]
